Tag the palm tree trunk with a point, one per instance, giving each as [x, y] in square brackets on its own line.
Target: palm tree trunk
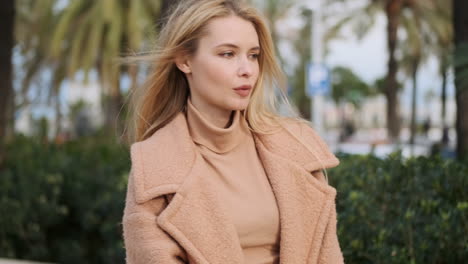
[460, 24]
[7, 15]
[444, 98]
[444, 101]
[392, 10]
[301, 100]
[58, 117]
[413, 103]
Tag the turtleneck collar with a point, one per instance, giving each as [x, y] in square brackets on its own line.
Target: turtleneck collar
[218, 140]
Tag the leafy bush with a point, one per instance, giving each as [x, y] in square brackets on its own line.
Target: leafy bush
[63, 203]
[402, 211]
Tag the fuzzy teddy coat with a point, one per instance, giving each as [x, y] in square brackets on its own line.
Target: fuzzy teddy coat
[173, 214]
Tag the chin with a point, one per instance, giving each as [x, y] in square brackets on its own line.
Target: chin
[239, 104]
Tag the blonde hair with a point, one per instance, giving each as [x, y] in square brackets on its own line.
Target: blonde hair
[164, 93]
[166, 89]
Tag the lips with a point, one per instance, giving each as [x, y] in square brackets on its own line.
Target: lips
[243, 90]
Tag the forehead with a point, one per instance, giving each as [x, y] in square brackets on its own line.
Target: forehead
[231, 29]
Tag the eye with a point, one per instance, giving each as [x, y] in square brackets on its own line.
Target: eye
[227, 54]
[254, 56]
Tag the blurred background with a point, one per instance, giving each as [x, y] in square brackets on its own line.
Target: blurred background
[384, 82]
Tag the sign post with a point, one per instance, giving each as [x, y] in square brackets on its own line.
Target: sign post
[318, 75]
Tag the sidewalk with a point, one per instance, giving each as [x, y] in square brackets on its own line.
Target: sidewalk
[375, 141]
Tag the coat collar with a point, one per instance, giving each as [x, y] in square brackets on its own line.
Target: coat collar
[167, 163]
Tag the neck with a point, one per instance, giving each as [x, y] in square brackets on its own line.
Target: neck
[219, 117]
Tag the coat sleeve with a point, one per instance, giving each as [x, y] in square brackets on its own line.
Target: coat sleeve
[144, 241]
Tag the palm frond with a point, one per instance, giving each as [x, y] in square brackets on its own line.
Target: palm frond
[65, 23]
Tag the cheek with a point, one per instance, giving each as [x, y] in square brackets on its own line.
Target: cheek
[214, 73]
[257, 72]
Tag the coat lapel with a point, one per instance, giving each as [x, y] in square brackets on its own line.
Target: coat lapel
[167, 163]
[195, 217]
[304, 204]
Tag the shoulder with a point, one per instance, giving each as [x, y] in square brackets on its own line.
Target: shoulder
[160, 162]
[296, 140]
[307, 135]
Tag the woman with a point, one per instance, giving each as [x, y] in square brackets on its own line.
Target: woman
[217, 176]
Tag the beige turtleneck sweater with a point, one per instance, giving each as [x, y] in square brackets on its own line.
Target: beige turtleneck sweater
[236, 168]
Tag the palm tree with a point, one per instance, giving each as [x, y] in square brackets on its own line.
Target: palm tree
[82, 37]
[441, 23]
[7, 16]
[33, 23]
[420, 23]
[428, 32]
[347, 87]
[96, 33]
[302, 45]
[412, 59]
[430, 14]
[393, 10]
[460, 22]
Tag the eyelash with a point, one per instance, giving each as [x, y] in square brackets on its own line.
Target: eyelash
[230, 54]
[227, 54]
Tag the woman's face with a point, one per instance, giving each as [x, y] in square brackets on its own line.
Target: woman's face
[224, 70]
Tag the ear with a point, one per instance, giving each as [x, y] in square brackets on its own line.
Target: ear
[183, 64]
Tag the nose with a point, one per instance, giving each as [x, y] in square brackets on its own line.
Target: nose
[245, 68]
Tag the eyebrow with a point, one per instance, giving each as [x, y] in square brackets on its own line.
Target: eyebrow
[235, 46]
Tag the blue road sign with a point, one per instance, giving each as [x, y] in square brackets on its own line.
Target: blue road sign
[318, 79]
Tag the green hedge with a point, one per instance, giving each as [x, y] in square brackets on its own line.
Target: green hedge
[64, 203]
[402, 211]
